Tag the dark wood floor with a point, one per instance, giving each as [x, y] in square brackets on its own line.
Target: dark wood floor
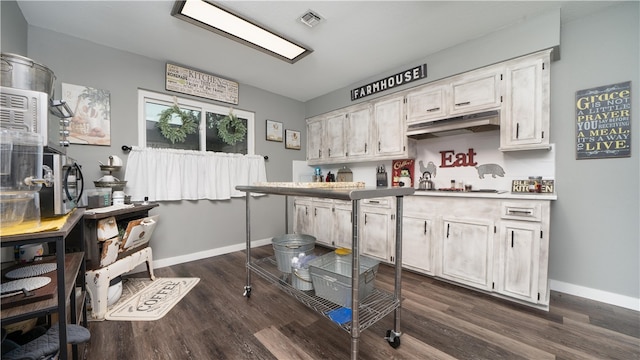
[439, 321]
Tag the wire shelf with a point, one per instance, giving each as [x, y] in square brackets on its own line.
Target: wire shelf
[371, 309]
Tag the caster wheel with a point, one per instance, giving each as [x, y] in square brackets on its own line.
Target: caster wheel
[247, 292]
[393, 340]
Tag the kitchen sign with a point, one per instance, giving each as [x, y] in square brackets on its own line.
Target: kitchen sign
[603, 122]
[407, 76]
[196, 83]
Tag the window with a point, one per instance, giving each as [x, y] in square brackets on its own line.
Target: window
[205, 138]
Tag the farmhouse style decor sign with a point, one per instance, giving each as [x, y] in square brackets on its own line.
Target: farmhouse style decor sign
[196, 83]
[603, 121]
[401, 78]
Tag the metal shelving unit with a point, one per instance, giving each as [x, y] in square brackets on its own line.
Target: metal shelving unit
[364, 312]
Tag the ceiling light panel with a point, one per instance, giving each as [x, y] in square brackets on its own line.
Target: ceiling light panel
[214, 18]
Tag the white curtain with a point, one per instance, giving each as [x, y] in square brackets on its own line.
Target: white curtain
[169, 174]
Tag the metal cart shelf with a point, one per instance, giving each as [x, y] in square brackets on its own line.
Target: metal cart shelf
[364, 312]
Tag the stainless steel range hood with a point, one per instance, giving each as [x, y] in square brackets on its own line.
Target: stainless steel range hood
[485, 121]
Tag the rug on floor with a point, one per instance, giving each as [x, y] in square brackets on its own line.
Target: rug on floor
[150, 300]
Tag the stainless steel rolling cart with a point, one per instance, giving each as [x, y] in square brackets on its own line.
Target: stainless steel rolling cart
[365, 312]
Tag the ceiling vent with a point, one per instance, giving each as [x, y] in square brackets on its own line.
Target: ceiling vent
[310, 18]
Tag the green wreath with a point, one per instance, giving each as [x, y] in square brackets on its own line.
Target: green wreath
[179, 133]
[231, 129]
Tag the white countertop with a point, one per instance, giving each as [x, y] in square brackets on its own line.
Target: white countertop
[488, 195]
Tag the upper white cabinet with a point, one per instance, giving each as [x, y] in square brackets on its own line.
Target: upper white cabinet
[428, 103]
[390, 127]
[360, 131]
[335, 136]
[524, 122]
[476, 91]
[315, 137]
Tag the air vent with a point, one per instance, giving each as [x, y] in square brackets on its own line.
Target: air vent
[310, 18]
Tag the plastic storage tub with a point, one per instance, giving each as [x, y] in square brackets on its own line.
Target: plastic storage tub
[287, 246]
[331, 277]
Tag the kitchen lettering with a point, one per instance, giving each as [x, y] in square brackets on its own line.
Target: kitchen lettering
[449, 158]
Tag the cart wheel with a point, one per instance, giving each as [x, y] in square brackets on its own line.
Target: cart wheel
[393, 340]
[247, 292]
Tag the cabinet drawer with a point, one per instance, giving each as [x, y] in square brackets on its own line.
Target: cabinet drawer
[524, 211]
[378, 202]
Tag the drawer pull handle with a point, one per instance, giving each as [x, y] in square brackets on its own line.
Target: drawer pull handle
[374, 202]
[433, 109]
[521, 212]
[463, 103]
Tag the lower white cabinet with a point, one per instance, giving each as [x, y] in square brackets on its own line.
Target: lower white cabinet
[377, 233]
[467, 252]
[520, 260]
[417, 250]
[496, 245]
[499, 246]
[342, 226]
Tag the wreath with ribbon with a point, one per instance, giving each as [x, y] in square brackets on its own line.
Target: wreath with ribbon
[231, 129]
[177, 133]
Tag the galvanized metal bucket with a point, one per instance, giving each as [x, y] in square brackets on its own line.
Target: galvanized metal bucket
[23, 73]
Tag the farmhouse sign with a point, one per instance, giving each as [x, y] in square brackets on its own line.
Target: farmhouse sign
[603, 121]
[192, 82]
[407, 76]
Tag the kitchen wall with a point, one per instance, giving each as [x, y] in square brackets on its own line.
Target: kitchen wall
[186, 230]
[595, 236]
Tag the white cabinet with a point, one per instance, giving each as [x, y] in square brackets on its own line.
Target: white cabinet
[377, 237]
[467, 252]
[303, 219]
[390, 127]
[503, 252]
[476, 91]
[323, 221]
[342, 226]
[417, 247]
[315, 136]
[519, 265]
[428, 103]
[525, 120]
[335, 136]
[360, 130]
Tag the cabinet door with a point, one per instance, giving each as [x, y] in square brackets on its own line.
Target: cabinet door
[417, 251]
[525, 122]
[323, 222]
[342, 230]
[428, 103]
[375, 230]
[476, 91]
[359, 133]
[467, 252]
[519, 251]
[303, 220]
[390, 128]
[335, 136]
[314, 140]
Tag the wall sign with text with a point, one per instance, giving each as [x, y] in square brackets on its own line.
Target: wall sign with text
[407, 76]
[196, 83]
[603, 122]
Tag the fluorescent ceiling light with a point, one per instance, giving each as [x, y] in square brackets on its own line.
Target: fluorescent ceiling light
[214, 18]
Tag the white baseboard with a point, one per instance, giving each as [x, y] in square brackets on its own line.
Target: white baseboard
[567, 288]
[595, 294]
[201, 255]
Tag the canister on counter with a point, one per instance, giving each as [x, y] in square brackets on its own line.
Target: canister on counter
[344, 175]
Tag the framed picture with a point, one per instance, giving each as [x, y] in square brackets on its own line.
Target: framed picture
[274, 130]
[91, 123]
[292, 139]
